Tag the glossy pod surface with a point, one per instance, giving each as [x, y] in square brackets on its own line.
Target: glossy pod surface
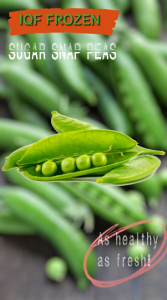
[81, 155]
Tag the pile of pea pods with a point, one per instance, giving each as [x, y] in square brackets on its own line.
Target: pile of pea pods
[128, 95]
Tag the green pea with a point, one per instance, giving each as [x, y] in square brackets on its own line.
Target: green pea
[99, 159]
[137, 250]
[83, 162]
[49, 168]
[68, 165]
[56, 269]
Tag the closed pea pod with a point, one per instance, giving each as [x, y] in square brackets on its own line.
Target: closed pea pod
[148, 17]
[130, 84]
[152, 62]
[133, 171]
[66, 238]
[37, 89]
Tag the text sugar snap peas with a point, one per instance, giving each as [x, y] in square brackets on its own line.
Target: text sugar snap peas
[81, 152]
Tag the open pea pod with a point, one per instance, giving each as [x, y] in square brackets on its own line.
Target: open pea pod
[75, 140]
[131, 172]
[113, 161]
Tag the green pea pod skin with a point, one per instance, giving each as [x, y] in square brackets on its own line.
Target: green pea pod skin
[76, 143]
[145, 151]
[148, 17]
[133, 171]
[136, 96]
[11, 160]
[10, 224]
[64, 236]
[153, 64]
[112, 113]
[114, 160]
[65, 124]
[56, 196]
[24, 112]
[37, 89]
[74, 78]
[14, 134]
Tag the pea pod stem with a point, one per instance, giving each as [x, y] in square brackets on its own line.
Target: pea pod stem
[70, 242]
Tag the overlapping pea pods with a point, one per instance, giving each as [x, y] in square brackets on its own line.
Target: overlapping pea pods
[78, 139]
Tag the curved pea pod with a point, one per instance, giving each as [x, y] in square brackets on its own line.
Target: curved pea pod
[147, 15]
[37, 89]
[76, 143]
[71, 243]
[65, 124]
[14, 134]
[132, 172]
[24, 112]
[153, 64]
[113, 161]
[136, 96]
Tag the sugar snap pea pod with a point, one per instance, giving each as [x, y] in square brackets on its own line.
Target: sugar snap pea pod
[148, 17]
[160, 47]
[130, 84]
[37, 89]
[65, 124]
[64, 236]
[112, 113]
[153, 64]
[76, 143]
[113, 161]
[24, 112]
[15, 50]
[14, 134]
[144, 151]
[10, 224]
[109, 4]
[55, 195]
[43, 65]
[74, 78]
[133, 171]
[103, 197]
[151, 189]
